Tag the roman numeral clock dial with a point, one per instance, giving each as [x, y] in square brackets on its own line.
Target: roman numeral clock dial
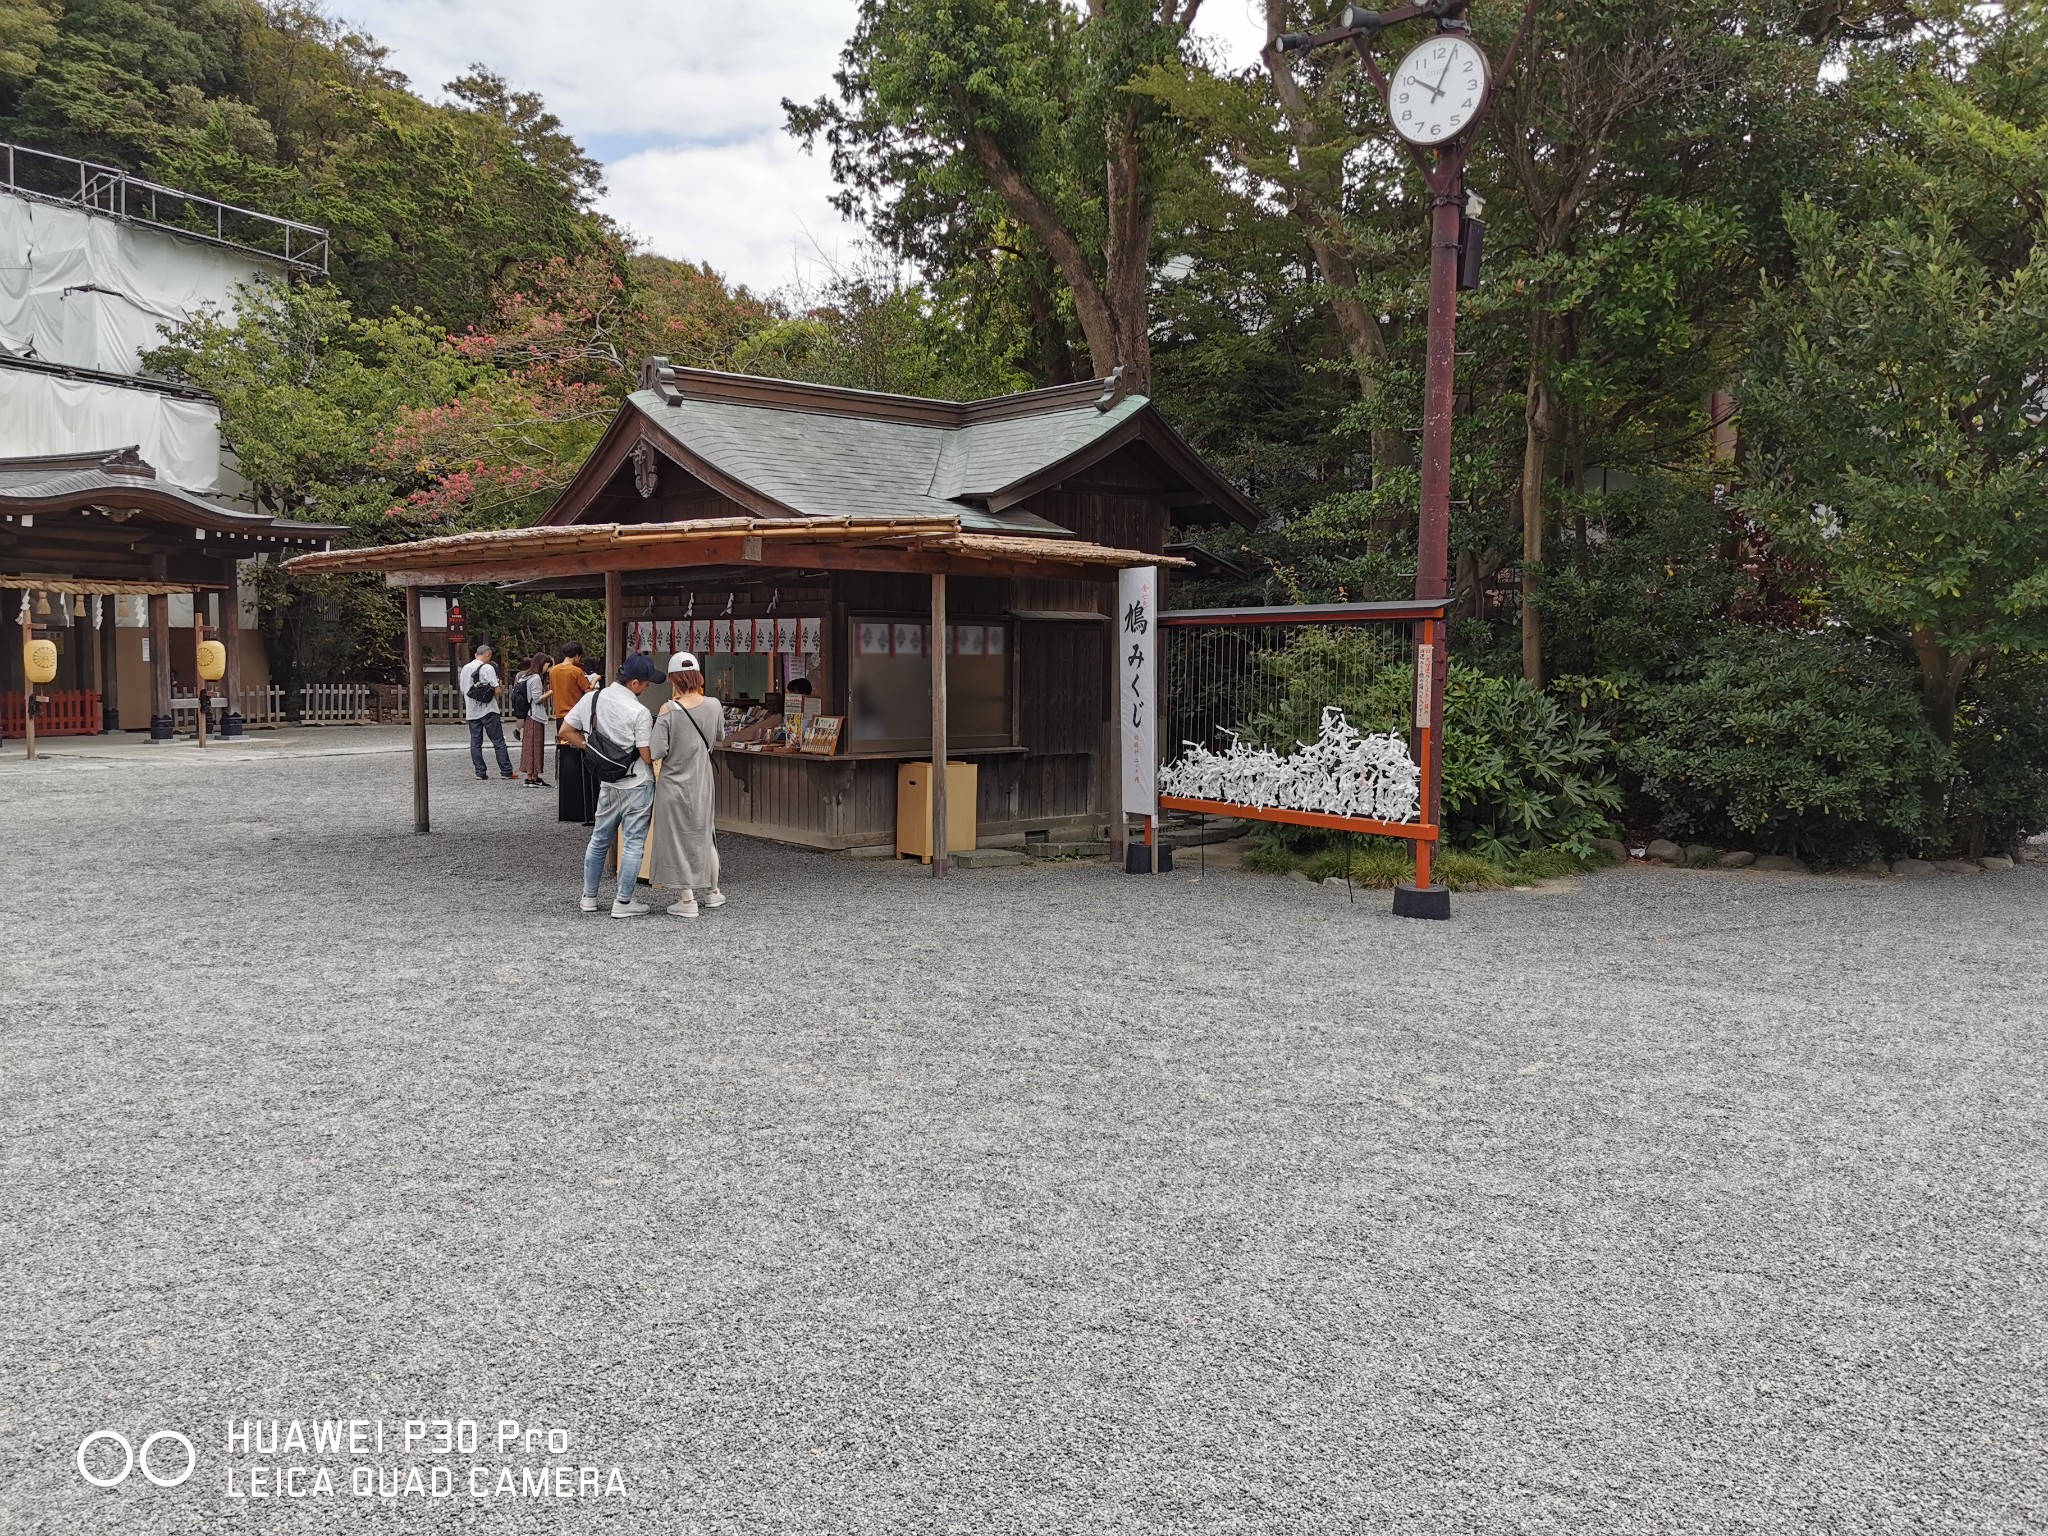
[1438, 89]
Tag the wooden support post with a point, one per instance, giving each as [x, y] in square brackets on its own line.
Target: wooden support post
[231, 639]
[109, 645]
[28, 689]
[614, 626]
[939, 774]
[160, 666]
[198, 682]
[416, 706]
[99, 655]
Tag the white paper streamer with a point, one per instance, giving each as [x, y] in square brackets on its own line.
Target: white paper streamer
[1341, 774]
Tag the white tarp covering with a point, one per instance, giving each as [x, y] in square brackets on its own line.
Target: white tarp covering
[40, 414]
[88, 291]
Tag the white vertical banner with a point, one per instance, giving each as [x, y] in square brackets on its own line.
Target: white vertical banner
[1137, 671]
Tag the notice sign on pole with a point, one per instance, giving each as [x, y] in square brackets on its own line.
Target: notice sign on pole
[1425, 680]
[1137, 670]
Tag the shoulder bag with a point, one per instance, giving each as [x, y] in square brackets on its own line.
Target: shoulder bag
[604, 759]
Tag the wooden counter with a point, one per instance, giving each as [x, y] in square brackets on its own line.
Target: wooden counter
[848, 800]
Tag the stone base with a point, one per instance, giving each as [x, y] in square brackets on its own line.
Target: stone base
[160, 728]
[232, 725]
[1413, 901]
[1138, 859]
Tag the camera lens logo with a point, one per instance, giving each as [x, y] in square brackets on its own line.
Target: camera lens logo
[132, 1458]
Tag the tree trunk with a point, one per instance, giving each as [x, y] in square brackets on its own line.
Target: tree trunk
[1091, 305]
[1054, 358]
[1537, 428]
[1128, 256]
[1941, 684]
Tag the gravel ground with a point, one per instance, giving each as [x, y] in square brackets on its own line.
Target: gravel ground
[1038, 1200]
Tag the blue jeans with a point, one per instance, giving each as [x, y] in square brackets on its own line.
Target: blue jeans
[626, 805]
[487, 725]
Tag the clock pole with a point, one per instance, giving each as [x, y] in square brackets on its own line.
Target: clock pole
[1443, 170]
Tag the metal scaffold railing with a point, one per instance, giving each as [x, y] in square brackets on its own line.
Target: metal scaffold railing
[119, 194]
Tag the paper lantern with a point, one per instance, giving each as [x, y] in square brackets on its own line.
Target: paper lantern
[39, 657]
[213, 661]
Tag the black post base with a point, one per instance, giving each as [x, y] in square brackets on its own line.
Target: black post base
[160, 728]
[1138, 859]
[1413, 901]
[232, 725]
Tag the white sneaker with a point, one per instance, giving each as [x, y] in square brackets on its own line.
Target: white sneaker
[590, 903]
[714, 898]
[687, 907]
[630, 909]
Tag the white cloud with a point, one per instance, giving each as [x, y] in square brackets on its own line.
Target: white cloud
[683, 99]
[671, 70]
[758, 210]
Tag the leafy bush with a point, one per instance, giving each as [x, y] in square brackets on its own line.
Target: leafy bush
[1807, 744]
[2000, 792]
[1520, 772]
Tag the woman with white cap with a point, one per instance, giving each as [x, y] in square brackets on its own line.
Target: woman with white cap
[686, 797]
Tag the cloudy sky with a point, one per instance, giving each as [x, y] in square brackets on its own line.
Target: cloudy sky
[681, 100]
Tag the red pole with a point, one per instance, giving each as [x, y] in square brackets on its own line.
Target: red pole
[1433, 542]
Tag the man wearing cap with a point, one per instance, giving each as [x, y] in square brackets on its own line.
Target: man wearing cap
[624, 805]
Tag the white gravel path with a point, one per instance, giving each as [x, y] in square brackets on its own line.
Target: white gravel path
[1037, 1200]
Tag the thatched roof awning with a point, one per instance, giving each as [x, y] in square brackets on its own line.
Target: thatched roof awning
[77, 586]
[925, 544]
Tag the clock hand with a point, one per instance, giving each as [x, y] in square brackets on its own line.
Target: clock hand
[1440, 79]
[1425, 85]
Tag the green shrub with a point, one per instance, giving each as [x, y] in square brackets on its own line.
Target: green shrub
[1807, 744]
[2000, 792]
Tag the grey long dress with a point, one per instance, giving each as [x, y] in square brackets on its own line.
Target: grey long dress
[685, 798]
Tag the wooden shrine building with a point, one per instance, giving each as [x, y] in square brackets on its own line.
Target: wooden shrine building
[95, 550]
[940, 574]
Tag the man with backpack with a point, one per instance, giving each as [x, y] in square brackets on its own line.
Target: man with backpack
[479, 684]
[612, 729]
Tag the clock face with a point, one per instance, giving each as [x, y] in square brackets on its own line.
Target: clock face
[1438, 89]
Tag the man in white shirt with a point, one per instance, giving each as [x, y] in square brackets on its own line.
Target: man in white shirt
[481, 678]
[624, 805]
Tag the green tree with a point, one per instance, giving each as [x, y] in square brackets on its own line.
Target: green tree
[27, 27]
[1893, 403]
[965, 124]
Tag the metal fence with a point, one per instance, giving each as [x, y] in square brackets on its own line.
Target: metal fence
[1302, 714]
[112, 191]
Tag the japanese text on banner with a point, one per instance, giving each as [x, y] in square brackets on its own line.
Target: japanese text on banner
[1136, 637]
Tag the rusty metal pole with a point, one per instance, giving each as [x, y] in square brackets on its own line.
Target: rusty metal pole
[1433, 541]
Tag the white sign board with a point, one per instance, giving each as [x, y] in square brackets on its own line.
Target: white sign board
[433, 612]
[1136, 638]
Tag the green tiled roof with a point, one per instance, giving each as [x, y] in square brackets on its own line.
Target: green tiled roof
[829, 464]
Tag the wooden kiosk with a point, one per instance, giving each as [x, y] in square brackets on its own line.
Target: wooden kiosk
[942, 575]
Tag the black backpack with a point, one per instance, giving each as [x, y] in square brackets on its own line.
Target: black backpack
[522, 701]
[480, 690]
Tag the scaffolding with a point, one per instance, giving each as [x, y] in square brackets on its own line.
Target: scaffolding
[104, 189]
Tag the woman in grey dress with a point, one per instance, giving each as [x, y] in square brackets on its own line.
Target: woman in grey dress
[686, 797]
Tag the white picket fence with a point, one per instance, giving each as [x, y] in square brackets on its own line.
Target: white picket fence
[326, 704]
